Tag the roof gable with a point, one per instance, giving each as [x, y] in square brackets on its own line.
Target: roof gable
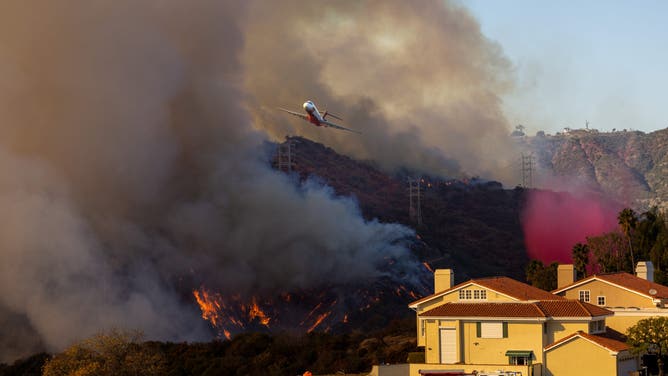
[509, 287]
[607, 343]
[623, 280]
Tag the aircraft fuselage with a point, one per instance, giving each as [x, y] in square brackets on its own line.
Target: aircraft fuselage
[313, 114]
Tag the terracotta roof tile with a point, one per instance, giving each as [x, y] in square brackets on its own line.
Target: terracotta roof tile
[545, 308]
[515, 289]
[571, 308]
[629, 281]
[485, 310]
[605, 342]
[504, 285]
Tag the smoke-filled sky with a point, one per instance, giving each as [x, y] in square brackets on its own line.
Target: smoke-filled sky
[600, 61]
[135, 162]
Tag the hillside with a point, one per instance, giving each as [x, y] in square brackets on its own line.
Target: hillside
[471, 226]
[630, 166]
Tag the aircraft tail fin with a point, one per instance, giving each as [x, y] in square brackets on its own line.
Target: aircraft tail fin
[324, 116]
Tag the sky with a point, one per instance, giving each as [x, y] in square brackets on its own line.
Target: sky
[598, 61]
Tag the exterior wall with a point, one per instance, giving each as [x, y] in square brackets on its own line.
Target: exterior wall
[432, 350]
[614, 296]
[521, 336]
[413, 369]
[580, 357]
[453, 297]
[624, 319]
[557, 330]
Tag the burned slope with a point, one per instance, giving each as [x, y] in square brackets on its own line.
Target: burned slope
[472, 226]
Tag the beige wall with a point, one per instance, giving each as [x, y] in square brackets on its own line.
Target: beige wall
[453, 297]
[614, 296]
[521, 336]
[557, 330]
[580, 357]
[432, 339]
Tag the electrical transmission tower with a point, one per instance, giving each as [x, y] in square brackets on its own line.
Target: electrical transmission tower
[286, 155]
[527, 170]
[415, 198]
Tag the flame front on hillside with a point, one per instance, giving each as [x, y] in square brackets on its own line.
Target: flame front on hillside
[305, 311]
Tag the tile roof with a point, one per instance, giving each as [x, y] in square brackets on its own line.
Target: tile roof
[504, 285]
[608, 343]
[571, 308]
[629, 281]
[539, 309]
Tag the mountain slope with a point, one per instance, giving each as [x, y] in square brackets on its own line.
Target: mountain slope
[471, 226]
[629, 166]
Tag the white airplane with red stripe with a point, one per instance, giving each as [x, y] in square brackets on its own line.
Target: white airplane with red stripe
[313, 116]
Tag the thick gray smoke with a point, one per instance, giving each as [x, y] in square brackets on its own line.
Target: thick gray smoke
[132, 139]
[418, 79]
[132, 172]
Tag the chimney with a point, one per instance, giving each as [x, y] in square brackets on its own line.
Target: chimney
[645, 270]
[565, 275]
[443, 279]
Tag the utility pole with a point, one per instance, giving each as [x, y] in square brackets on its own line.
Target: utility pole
[414, 195]
[286, 155]
[527, 170]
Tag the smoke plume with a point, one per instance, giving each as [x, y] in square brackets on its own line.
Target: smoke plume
[419, 80]
[132, 141]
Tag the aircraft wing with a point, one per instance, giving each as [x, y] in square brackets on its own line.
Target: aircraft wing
[294, 113]
[329, 124]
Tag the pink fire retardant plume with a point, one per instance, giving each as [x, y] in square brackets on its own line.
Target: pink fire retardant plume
[554, 222]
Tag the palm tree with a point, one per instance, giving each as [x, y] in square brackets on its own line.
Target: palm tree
[627, 220]
[580, 259]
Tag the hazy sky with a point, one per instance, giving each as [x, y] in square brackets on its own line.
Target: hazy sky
[605, 61]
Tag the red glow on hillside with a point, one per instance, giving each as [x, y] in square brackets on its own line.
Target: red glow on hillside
[554, 222]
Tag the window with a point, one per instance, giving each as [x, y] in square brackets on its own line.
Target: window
[492, 329]
[597, 326]
[519, 357]
[473, 294]
[600, 300]
[584, 296]
[519, 360]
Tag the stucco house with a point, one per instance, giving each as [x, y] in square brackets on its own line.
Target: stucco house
[630, 297]
[500, 326]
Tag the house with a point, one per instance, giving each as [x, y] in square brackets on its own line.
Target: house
[630, 297]
[501, 326]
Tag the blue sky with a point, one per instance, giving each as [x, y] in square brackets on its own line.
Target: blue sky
[605, 62]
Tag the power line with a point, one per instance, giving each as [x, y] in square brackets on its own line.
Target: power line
[415, 198]
[286, 155]
[527, 170]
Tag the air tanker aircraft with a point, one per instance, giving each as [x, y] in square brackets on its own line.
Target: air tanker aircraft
[313, 116]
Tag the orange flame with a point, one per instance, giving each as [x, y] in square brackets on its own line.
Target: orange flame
[209, 306]
[256, 312]
[320, 319]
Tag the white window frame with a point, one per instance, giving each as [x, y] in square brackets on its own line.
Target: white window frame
[597, 326]
[599, 299]
[514, 360]
[584, 296]
[491, 329]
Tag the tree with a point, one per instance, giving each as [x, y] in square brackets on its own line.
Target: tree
[580, 259]
[610, 253]
[541, 276]
[650, 336]
[628, 220]
[114, 353]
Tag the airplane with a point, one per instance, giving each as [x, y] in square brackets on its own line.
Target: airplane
[314, 117]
